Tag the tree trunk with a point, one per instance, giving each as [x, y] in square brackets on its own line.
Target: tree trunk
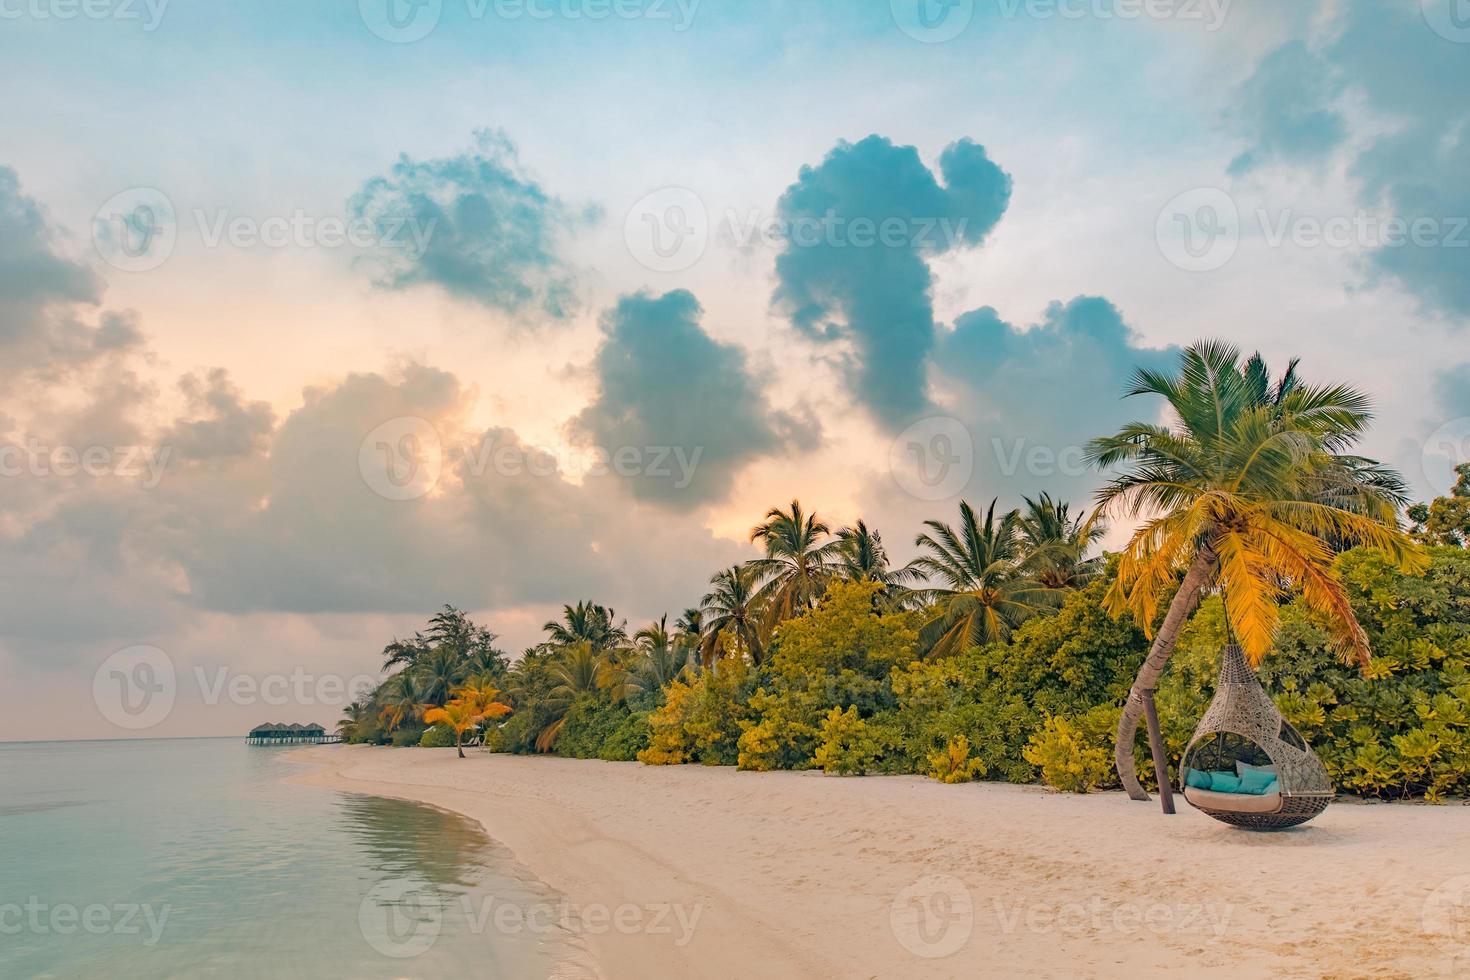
[1183, 603]
[459, 744]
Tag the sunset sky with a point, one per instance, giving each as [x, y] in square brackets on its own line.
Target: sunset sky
[317, 316]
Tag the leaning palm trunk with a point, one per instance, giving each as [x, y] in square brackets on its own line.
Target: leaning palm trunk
[1180, 608]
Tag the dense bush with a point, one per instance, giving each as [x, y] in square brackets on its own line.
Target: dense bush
[437, 737]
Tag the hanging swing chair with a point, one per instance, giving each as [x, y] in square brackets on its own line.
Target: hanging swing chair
[1242, 731]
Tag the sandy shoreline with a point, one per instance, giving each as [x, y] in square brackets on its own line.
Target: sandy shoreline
[777, 875]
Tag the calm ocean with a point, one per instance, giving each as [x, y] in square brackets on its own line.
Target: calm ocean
[192, 858]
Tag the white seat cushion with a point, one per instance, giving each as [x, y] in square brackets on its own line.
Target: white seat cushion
[1233, 802]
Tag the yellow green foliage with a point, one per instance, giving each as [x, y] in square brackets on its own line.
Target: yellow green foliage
[701, 721]
[1074, 756]
[953, 764]
[839, 656]
[847, 746]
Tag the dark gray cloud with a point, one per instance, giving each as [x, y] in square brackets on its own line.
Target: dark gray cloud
[1033, 397]
[685, 405]
[861, 228]
[221, 422]
[1411, 81]
[489, 233]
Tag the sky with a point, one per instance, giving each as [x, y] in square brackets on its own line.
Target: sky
[317, 317]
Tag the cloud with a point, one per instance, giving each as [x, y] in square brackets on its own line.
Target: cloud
[476, 226]
[862, 226]
[41, 331]
[1032, 398]
[1284, 107]
[1416, 146]
[686, 404]
[222, 423]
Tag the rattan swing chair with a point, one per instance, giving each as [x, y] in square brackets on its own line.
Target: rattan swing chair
[1242, 725]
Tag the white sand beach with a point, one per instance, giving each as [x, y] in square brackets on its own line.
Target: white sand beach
[705, 872]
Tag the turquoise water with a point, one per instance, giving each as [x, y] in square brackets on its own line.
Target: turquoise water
[193, 858]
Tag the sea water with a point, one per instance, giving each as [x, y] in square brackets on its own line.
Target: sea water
[196, 858]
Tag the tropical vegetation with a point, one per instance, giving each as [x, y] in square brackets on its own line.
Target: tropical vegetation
[1011, 647]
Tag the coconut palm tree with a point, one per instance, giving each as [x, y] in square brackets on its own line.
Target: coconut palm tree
[1056, 544]
[798, 562]
[589, 622]
[438, 672]
[861, 556]
[465, 711]
[398, 701]
[1248, 490]
[578, 670]
[689, 632]
[731, 608]
[985, 591]
[355, 720]
[657, 658]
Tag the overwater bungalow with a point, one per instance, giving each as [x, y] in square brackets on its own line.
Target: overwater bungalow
[272, 733]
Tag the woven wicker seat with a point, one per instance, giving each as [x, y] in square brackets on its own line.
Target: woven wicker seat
[1243, 725]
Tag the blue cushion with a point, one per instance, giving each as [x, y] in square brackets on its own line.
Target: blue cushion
[1197, 778]
[1224, 782]
[1255, 781]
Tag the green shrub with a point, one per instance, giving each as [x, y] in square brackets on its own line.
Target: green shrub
[437, 737]
[1075, 756]
[847, 746]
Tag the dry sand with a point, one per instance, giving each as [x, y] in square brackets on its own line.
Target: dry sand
[805, 875]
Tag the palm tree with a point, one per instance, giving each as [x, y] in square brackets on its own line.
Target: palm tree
[731, 607]
[470, 706]
[862, 557]
[689, 632]
[798, 564]
[1249, 490]
[579, 670]
[355, 720]
[657, 660]
[589, 622]
[1056, 544]
[438, 673]
[986, 592]
[398, 701]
